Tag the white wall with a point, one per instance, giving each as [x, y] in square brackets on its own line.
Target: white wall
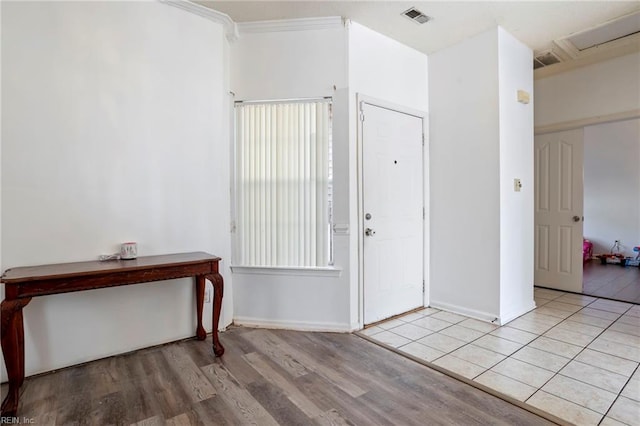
[516, 155]
[113, 129]
[300, 63]
[311, 63]
[384, 69]
[275, 64]
[600, 89]
[612, 185]
[481, 139]
[465, 176]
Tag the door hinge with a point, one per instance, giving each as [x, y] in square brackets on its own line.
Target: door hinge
[424, 213]
[361, 116]
[423, 139]
[422, 286]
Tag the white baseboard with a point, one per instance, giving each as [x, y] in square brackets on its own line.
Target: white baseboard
[515, 314]
[482, 316]
[293, 325]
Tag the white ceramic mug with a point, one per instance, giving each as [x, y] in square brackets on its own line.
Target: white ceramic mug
[128, 251]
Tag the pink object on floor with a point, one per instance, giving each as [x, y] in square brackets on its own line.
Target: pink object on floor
[587, 250]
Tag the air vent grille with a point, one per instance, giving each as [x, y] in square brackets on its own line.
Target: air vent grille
[416, 16]
[545, 59]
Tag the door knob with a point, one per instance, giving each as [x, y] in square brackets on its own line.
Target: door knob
[369, 232]
[576, 218]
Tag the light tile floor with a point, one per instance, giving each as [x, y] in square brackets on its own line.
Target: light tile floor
[574, 356]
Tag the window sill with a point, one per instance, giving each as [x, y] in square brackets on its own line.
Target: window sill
[292, 271]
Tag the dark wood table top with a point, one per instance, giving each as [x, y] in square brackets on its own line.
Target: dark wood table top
[61, 270]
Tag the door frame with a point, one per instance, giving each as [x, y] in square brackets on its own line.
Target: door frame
[360, 99]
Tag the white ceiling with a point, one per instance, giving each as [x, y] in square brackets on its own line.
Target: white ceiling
[535, 23]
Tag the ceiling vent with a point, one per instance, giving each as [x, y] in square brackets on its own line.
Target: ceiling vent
[544, 59]
[416, 16]
[612, 34]
[610, 31]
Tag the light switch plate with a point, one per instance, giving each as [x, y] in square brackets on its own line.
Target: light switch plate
[523, 96]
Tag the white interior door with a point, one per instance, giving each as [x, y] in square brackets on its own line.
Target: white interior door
[393, 215]
[558, 210]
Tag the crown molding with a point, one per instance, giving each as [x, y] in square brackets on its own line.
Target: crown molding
[290, 25]
[230, 27]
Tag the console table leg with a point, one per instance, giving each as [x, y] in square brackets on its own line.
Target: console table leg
[201, 333]
[12, 342]
[218, 290]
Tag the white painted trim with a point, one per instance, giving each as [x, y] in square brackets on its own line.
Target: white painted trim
[389, 105]
[303, 24]
[505, 319]
[360, 98]
[586, 60]
[568, 47]
[577, 124]
[230, 27]
[293, 325]
[278, 270]
[472, 313]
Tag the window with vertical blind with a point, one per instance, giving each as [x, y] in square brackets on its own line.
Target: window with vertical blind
[283, 183]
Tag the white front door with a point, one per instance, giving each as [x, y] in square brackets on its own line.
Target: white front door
[558, 210]
[393, 215]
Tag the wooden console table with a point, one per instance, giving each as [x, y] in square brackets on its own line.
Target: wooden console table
[21, 284]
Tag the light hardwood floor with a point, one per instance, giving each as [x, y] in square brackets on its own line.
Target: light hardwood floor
[266, 377]
[611, 281]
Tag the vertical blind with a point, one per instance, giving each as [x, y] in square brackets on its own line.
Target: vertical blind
[283, 183]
